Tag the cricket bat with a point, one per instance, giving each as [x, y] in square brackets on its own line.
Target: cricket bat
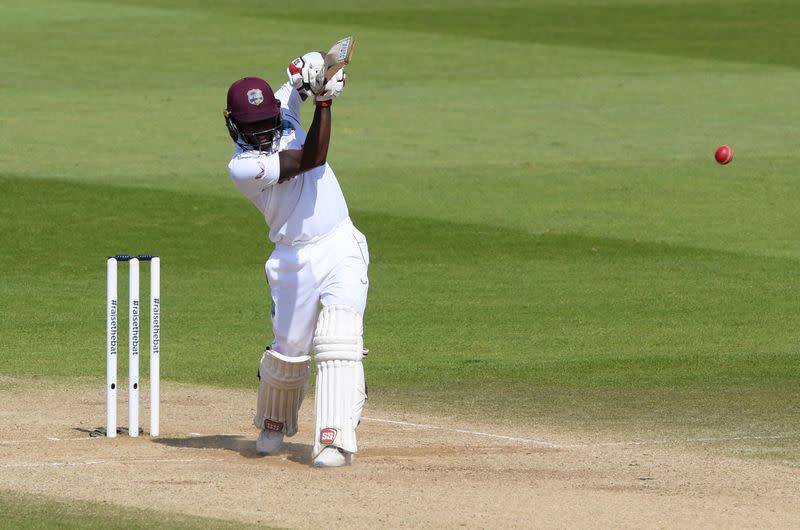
[338, 56]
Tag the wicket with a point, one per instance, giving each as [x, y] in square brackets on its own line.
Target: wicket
[112, 317]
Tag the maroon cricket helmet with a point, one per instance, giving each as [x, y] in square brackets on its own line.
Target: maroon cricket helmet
[251, 99]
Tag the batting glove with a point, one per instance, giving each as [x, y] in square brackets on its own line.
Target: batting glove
[332, 89]
[306, 73]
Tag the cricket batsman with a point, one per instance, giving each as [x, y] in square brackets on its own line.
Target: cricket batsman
[317, 272]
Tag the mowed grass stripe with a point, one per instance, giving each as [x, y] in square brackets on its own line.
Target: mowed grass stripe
[739, 30]
[154, 117]
[34, 511]
[454, 307]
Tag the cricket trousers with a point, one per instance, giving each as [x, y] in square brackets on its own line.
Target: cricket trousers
[303, 278]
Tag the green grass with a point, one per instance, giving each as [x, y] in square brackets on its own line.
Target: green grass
[551, 240]
[30, 511]
[744, 30]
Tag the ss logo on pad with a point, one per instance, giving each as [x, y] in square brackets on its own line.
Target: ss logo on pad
[327, 436]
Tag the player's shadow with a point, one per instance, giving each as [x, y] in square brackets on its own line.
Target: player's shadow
[245, 446]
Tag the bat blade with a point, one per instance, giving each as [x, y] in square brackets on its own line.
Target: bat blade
[338, 56]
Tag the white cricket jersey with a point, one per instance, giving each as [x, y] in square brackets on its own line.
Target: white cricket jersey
[299, 210]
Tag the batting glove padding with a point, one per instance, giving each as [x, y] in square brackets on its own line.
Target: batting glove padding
[306, 73]
[334, 87]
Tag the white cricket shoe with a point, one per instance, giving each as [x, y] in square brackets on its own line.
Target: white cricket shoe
[269, 442]
[333, 457]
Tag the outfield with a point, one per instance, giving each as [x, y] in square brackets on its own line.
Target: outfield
[553, 246]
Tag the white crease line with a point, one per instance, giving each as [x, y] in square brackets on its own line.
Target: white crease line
[229, 434]
[48, 439]
[553, 445]
[734, 438]
[473, 433]
[541, 443]
[619, 444]
[120, 461]
[689, 440]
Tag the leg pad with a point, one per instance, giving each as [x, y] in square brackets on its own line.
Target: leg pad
[284, 381]
[340, 390]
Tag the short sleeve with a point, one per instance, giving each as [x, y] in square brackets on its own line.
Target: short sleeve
[254, 171]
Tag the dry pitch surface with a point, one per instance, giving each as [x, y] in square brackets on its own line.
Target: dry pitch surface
[412, 471]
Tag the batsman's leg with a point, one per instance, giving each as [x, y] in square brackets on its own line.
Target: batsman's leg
[284, 381]
[285, 365]
[340, 390]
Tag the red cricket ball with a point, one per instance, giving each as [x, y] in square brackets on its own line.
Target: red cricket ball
[724, 154]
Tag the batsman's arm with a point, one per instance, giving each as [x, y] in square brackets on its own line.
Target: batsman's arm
[253, 171]
[315, 150]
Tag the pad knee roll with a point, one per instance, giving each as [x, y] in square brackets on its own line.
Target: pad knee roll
[284, 381]
[340, 390]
